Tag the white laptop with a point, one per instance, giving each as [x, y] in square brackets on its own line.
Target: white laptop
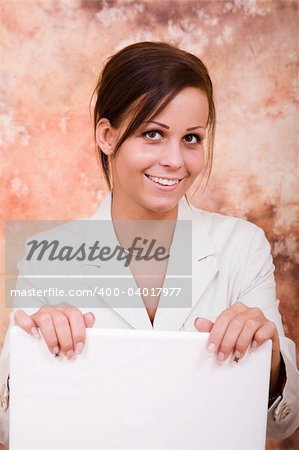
[136, 389]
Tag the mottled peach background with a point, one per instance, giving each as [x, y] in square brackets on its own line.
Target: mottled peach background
[52, 52]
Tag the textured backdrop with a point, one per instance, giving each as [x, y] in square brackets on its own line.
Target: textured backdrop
[51, 55]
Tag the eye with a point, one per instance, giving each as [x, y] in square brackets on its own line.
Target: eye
[153, 135]
[190, 138]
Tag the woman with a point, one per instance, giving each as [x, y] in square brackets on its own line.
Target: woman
[153, 113]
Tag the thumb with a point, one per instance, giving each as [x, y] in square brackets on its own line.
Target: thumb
[89, 319]
[202, 324]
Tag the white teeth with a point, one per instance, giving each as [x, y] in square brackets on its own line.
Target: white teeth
[163, 181]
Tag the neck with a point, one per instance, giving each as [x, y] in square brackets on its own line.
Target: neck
[148, 225]
[118, 212]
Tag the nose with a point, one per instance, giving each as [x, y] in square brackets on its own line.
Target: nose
[172, 156]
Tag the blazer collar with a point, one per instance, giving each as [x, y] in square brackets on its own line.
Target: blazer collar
[204, 269]
[202, 243]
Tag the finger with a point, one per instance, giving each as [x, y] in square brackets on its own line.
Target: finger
[203, 325]
[265, 332]
[63, 332]
[43, 320]
[62, 305]
[77, 326]
[24, 321]
[240, 329]
[89, 319]
[221, 324]
[230, 337]
[245, 339]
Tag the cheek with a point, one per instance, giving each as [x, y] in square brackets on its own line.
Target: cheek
[195, 162]
[136, 159]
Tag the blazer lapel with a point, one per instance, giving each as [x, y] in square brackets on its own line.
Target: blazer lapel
[204, 269]
[134, 311]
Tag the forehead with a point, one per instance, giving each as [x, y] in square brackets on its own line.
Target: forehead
[189, 103]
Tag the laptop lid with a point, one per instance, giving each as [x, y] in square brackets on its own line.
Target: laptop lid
[136, 389]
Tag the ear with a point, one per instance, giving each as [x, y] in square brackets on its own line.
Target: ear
[104, 136]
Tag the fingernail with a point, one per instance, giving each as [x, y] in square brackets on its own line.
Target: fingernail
[237, 355]
[254, 345]
[35, 333]
[220, 357]
[69, 354]
[211, 348]
[55, 351]
[79, 348]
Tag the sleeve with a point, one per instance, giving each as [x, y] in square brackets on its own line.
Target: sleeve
[258, 290]
[22, 283]
[4, 389]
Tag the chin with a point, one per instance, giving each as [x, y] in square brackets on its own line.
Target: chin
[162, 206]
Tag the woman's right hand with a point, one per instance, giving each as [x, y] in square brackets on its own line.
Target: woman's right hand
[63, 327]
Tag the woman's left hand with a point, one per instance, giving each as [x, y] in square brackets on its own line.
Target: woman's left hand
[238, 328]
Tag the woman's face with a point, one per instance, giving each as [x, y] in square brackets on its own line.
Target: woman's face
[153, 169]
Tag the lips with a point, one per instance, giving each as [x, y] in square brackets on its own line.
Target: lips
[163, 181]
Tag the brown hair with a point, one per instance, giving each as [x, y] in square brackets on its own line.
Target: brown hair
[142, 79]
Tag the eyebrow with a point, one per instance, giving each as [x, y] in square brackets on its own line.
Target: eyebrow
[167, 127]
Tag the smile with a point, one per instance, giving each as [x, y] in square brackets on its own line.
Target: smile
[163, 181]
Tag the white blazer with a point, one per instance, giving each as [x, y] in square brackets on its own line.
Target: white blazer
[231, 262]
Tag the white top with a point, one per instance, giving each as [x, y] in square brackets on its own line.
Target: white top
[231, 261]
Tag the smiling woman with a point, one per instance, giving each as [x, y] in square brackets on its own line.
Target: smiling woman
[158, 163]
[154, 123]
[140, 81]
